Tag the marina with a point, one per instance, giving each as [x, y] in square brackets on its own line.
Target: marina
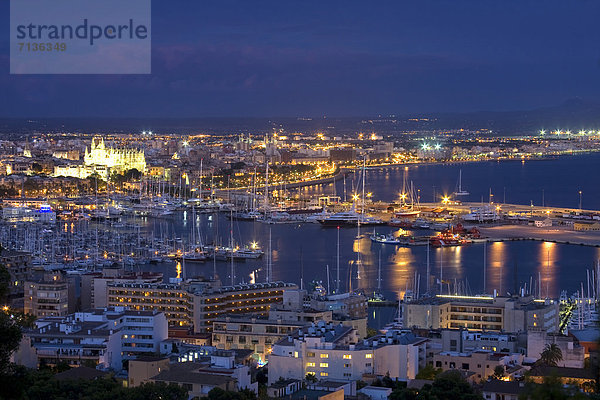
[185, 238]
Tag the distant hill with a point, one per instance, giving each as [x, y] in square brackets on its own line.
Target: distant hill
[573, 114]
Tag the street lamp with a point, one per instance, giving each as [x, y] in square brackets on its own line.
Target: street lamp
[580, 193]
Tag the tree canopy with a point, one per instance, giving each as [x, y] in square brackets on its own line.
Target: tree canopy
[551, 355]
[449, 385]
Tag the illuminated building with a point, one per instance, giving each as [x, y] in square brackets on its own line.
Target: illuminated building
[117, 159]
[198, 303]
[335, 352]
[47, 297]
[103, 160]
[171, 299]
[93, 284]
[509, 314]
[102, 336]
[44, 214]
[251, 333]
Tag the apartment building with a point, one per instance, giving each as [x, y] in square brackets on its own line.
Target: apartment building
[256, 334]
[349, 304]
[218, 370]
[573, 354]
[335, 352]
[47, 296]
[508, 314]
[93, 285]
[481, 362]
[18, 265]
[171, 299]
[197, 303]
[102, 337]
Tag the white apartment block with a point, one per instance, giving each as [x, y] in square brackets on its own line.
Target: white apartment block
[103, 337]
[334, 352]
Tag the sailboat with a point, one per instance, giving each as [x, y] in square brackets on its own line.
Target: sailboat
[378, 297]
[408, 206]
[460, 191]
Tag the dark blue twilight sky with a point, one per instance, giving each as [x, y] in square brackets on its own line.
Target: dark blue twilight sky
[342, 58]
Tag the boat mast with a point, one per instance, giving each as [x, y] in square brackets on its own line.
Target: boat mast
[267, 187]
[200, 188]
[270, 257]
[379, 274]
[231, 244]
[363, 187]
[484, 265]
[441, 271]
[428, 268]
[337, 281]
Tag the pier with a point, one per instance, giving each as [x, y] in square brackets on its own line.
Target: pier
[564, 235]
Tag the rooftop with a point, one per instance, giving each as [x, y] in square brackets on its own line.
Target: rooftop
[503, 387]
[189, 372]
[563, 372]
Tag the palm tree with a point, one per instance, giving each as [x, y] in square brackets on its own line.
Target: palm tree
[310, 377]
[551, 355]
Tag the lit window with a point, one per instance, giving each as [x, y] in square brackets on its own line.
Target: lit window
[369, 355]
[310, 364]
[324, 374]
[309, 354]
[534, 315]
[324, 355]
[324, 365]
[295, 354]
[347, 357]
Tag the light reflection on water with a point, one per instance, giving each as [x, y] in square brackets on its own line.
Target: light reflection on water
[547, 268]
[307, 249]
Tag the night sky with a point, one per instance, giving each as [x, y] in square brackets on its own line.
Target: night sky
[337, 58]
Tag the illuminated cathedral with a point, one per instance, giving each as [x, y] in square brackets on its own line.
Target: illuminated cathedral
[103, 161]
[116, 159]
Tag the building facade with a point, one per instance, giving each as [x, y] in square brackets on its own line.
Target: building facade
[103, 160]
[19, 267]
[117, 159]
[102, 337]
[255, 334]
[94, 285]
[509, 314]
[197, 303]
[335, 352]
[47, 297]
